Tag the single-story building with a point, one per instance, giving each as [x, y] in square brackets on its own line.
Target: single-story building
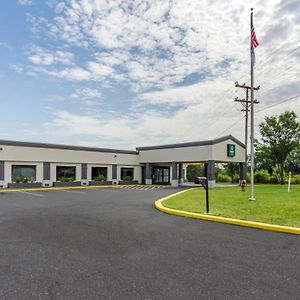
[40, 164]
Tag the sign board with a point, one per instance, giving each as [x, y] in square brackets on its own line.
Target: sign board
[230, 150]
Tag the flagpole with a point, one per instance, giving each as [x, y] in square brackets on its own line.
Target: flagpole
[252, 113]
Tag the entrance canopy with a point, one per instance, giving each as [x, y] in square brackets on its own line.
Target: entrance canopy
[226, 149]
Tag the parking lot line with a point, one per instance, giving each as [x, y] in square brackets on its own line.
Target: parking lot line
[33, 194]
[74, 192]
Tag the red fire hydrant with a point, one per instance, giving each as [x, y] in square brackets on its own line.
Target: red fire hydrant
[243, 185]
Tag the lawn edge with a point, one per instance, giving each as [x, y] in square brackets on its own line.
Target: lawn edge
[265, 226]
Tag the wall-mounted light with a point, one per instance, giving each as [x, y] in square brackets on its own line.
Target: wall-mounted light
[115, 155]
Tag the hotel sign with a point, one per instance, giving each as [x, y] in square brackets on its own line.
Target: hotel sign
[230, 150]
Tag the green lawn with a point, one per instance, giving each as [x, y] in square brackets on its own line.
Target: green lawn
[273, 203]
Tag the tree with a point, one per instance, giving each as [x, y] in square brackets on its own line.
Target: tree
[293, 162]
[279, 137]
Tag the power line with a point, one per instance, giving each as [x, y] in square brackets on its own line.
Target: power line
[283, 101]
[231, 126]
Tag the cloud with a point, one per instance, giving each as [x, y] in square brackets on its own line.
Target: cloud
[40, 56]
[25, 2]
[177, 60]
[5, 46]
[86, 93]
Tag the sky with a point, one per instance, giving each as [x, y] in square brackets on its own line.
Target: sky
[123, 74]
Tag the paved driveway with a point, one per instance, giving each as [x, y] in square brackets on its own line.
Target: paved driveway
[112, 244]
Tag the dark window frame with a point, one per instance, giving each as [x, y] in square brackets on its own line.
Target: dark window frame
[32, 179]
[65, 174]
[96, 174]
[127, 172]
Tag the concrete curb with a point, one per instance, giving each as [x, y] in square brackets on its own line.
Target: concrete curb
[80, 188]
[278, 228]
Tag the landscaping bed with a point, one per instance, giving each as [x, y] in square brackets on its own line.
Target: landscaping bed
[24, 185]
[95, 183]
[66, 184]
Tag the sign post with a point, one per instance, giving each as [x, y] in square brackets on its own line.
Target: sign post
[204, 182]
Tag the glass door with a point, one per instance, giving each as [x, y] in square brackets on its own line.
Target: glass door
[161, 175]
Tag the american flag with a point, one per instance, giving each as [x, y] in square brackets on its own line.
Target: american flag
[253, 44]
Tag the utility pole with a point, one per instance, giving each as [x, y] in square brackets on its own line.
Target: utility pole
[245, 103]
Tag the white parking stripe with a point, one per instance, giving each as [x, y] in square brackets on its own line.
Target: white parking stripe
[74, 192]
[33, 194]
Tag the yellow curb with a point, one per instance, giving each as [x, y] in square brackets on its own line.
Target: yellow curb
[278, 228]
[79, 188]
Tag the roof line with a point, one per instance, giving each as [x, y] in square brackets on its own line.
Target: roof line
[64, 147]
[193, 144]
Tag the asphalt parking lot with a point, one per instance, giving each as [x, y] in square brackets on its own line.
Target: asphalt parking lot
[112, 244]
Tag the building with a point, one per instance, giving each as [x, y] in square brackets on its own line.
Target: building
[40, 164]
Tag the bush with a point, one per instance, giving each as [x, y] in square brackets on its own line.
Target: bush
[297, 179]
[294, 179]
[21, 179]
[248, 177]
[273, 179]
[100, 178]
[236, 178]
[25, 179]
[127, 178]
[223, 178]
[261, 176]
[66, 179]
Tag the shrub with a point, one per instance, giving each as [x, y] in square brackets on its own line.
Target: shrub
[100, 178]
[127, 178]
[223, 178]
[297, 179]
[18, 179]
[25, 179]
[261, 176]
[236, 178]
[21, 179]
[66, 179]
[248, 177]
[273, 179]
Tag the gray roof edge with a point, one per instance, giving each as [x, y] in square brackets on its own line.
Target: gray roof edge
[64, 147]
[193, 144]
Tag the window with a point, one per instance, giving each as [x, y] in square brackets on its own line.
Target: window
[21, 173]
[99, 173]
[64, 173]
[127, 174]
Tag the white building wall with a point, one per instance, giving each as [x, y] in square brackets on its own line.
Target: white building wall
[216, 152]
[184, 154]
[219, 152]
[17, 153]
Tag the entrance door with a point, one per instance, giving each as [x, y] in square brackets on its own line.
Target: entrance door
[161, 175]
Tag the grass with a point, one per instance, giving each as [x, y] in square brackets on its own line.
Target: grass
[273, 204]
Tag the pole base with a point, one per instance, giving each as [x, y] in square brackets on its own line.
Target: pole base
[251, 199]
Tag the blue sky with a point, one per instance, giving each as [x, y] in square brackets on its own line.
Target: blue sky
[132, 73]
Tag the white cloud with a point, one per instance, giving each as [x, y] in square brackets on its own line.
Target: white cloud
[5, 46]
[25, 2]
[40, 56]
[86, 93]
[180, 58]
